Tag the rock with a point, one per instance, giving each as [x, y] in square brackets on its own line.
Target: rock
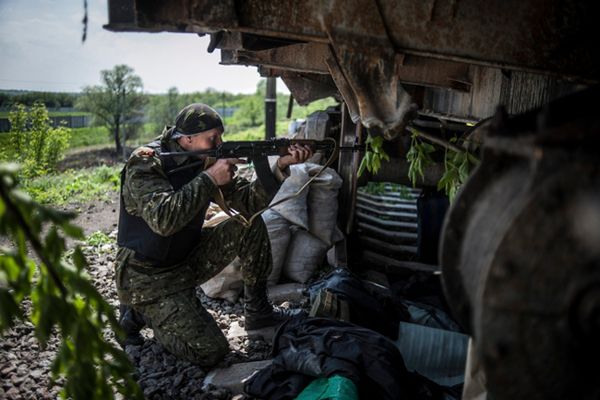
[36, 373]
[178, 380]
[13, 393]
[7, 370]
[150, 391]
[235, 330]
[16, 379]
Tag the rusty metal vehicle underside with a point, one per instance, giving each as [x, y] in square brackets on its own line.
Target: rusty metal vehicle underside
[520, 270]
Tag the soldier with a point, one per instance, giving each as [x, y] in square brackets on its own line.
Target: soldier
[164, 252]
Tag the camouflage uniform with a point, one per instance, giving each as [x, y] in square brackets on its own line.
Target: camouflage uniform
[166, 295]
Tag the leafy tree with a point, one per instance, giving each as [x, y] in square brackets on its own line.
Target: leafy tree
[64, 302]
[164, 108]
[117, 103]
[251, 111]
[33, 142]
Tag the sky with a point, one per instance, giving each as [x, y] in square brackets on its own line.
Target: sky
[41, 49]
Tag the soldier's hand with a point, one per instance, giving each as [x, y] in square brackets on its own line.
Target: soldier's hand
[297, 154]
[223, 170]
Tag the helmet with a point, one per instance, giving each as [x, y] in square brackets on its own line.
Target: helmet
[196, 118]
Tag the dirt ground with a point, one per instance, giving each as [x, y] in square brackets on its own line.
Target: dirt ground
[97, 215]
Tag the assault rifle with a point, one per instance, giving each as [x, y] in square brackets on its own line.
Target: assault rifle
[257, 153]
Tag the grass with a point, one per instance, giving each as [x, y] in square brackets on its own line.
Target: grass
[89, 136]
[98, 239]
[72, 186]
[97, 135]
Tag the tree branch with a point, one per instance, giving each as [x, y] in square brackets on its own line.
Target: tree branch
[436, 140]
[35, 243]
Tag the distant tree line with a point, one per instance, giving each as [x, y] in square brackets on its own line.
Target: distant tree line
[50, 99]
[119, 103]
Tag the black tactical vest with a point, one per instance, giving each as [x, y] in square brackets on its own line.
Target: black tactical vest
[160, 251]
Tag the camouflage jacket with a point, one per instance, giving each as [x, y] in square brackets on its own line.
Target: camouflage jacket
[148, 193]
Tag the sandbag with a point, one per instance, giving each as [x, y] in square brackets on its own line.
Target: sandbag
[305, 253]
[323, 203]
[279, 236]
[227, 284]
[294, 209]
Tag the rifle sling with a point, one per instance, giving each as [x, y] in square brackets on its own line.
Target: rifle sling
[265, 175]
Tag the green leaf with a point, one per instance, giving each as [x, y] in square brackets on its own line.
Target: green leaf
[9, 311]
[78, 258]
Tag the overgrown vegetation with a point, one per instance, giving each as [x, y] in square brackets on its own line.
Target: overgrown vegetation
[98, 239]
[63, 301]
[50, 99]
[33, 142]
[74, 186]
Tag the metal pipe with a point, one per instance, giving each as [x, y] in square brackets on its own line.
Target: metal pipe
[270, 108]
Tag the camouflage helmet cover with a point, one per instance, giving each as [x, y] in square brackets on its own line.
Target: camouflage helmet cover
[196, 118]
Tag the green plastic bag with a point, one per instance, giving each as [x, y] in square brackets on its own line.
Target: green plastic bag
[333, 388]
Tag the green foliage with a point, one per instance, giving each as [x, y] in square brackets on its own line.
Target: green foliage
[116, 104]
[301, 112]
[419, 158]
[74, 186]
[98, 239]
[64, 302]
[458, 163]
[374, 154]
[250, 113]
[49, 99]
[33, 142]
[257, 133]
[458, 166]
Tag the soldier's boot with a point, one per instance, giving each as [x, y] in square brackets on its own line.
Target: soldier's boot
[259, 312]
[132, 323]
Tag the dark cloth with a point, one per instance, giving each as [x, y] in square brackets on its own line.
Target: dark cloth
[431, 210]
[366, 309]
[305, 349]
[422, 287]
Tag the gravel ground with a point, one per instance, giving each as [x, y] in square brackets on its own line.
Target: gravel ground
[25, 369]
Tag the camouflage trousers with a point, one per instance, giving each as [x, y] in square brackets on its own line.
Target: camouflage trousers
[167, 296]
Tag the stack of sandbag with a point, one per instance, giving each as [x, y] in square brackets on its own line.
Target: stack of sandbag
[303, 228]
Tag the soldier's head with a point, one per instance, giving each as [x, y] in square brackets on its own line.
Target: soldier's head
[198, 127]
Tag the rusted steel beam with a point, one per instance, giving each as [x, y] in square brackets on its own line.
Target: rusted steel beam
[309, 57]
[552, 36]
